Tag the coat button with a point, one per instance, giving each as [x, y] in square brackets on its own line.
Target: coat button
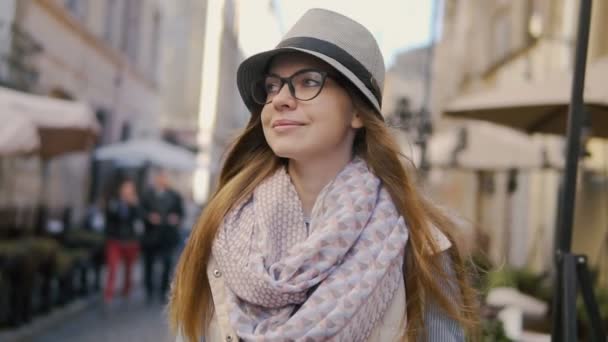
[228, 338]
[217, 273]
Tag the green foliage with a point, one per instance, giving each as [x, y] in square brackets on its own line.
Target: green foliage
[601, 296]
[493, 331]
[526, 281]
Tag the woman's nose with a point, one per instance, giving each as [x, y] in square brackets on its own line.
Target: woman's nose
[284, 99]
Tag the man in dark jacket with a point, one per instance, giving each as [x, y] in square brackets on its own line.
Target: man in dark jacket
[164, 212]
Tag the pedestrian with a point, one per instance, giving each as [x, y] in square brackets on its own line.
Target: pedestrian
[164, 213]
[123, 216]
[192, 211]
[316, 230]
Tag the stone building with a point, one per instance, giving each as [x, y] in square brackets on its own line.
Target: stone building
[488, 44]
[117, 56]
[103, 52]
[181, 67]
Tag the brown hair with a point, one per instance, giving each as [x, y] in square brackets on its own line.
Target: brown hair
[251, 160]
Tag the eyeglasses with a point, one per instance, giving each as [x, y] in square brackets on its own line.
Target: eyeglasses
[304, 85]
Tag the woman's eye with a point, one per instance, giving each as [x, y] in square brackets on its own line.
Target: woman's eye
[309, 82]
[272, 88]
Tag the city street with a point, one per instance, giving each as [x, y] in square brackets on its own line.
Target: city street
[132, 132]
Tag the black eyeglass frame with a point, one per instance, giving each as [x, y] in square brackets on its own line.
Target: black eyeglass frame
[288, 81]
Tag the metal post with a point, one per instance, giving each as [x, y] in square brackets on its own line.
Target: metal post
[564, 260]
[593, 311]
[557, 286]
[568, 313]
[575, 125]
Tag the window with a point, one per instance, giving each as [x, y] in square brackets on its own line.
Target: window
[535, 21]
[501, 37]
[131, 29]
[71, 5]
[125, 131]
[154, 46]
[512, 29]
[78, 8]
[108, 29]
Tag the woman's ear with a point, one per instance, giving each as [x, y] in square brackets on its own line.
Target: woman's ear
[356, 121]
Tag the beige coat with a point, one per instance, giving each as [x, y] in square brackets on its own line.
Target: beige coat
[220, 329]
[388, 329]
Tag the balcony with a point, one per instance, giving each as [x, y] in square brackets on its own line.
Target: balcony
[16, 69]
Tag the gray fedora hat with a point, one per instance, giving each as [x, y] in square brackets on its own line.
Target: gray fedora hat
[337, 40]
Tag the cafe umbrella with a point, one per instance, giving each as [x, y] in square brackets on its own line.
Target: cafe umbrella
[140, 152]
[539, 107]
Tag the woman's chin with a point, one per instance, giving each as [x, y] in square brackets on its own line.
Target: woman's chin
[285, 153]
[289, 151]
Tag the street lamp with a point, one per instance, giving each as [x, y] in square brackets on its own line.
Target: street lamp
[402, 116]
[415, 124]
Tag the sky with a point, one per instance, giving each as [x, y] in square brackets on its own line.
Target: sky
[398, 25]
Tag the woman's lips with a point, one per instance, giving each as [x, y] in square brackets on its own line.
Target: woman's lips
[285, 125]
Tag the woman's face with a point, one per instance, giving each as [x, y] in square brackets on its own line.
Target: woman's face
[322, 127]
[127, 192]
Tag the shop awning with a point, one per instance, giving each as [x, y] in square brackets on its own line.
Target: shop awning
[63, 126]
[18, 135]
[539, 107]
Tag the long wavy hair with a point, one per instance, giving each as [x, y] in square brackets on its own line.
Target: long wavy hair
[250, 160]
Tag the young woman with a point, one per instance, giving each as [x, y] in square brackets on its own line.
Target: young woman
[316, 231]
[122, 244]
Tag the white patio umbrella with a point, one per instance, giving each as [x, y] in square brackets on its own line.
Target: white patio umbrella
[62, 126]
[138, 152]
[48, 112]
[539, 106]
[18, 135]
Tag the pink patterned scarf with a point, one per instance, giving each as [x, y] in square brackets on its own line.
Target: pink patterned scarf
[334, 280]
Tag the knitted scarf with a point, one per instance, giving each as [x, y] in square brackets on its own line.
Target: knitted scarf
[332, 280]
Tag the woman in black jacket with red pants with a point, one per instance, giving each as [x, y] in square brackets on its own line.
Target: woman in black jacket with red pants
[123, 214]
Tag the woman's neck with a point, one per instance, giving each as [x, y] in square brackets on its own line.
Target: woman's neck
[310, 177]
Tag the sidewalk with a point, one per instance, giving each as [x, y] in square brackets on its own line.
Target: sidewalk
[87, 320]
[131, 320]
[40, 324]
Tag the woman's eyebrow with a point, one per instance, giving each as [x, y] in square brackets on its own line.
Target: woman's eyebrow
[299, 70]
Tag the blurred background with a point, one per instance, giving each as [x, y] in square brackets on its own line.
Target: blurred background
[96, 93]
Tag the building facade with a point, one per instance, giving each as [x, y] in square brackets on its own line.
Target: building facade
[104, 53]
[487, 44]
[181, 66]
